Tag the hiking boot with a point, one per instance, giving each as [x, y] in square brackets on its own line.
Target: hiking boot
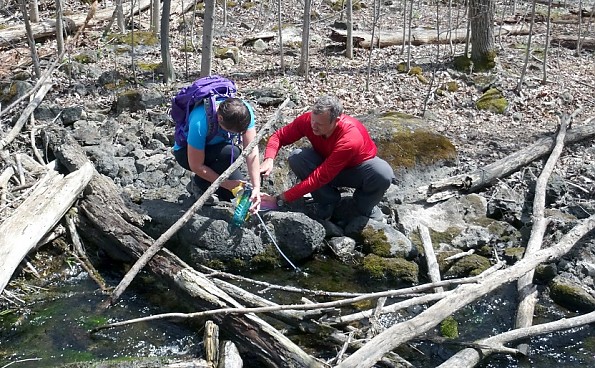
[196, 193]
[375, 214]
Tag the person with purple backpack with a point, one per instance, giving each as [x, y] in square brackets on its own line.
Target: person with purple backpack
[211, 124]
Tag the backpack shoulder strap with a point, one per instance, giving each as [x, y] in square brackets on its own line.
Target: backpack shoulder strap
[213, 124]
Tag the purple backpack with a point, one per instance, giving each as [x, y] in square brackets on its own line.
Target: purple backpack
[204, 90]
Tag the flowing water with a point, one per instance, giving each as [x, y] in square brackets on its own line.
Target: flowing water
[52, 329]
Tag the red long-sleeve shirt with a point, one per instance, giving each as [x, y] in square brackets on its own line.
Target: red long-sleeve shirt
[349, 145]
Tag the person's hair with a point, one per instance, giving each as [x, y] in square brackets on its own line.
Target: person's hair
[328, 103]
[234, 114]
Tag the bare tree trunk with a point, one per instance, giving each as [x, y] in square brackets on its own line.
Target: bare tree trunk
[404, 27]
[409, 30]
[169, 74]
[349, 16]
[481, 17]
[547, 41]
[375, 16]
[31, 40]
[34, 11]
[207, 38]
[120, 16]
[155, 17]
[519, 87]
[224, 14]
[280, 25]
[304, 58]
[59, 27]
[580, 27]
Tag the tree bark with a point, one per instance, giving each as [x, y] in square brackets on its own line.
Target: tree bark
[481, 17]
[207, 39]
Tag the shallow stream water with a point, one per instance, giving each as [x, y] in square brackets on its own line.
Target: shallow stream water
[53, 329]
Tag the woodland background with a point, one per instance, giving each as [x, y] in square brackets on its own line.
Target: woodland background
[539, 83]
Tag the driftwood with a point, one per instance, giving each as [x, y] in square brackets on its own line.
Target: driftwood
[402, 332]
[38, 214]
[418, 36]
[527, 291]
[570, 42]
[14, 132]
[105, 225]
[482, 177]
[433, 268]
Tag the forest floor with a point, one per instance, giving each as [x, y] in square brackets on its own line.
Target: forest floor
[370, 81]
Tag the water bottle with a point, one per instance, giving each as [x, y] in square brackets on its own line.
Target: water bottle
[242, 193]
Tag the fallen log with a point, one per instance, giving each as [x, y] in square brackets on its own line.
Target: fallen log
[570, 42]
[418, 36]
[402, 332]
[484, 176]
[37, 215]
[103, 225]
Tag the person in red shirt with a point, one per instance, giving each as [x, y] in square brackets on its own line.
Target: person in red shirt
[342, 155]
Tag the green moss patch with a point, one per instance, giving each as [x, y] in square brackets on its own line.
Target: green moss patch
[380, 268]
[471, 265]
[376, 242]
[135, 38]
[492, 100]
[449, 328]
[407, 149]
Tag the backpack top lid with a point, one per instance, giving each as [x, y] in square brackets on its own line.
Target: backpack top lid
[203, 90]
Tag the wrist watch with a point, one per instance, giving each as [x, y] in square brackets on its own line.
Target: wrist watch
[280, 201]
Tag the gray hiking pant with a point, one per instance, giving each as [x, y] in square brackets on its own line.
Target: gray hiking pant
[218, 157]
[370, 179]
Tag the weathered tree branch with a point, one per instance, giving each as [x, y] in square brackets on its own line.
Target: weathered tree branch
[461, 296]
[486, 175]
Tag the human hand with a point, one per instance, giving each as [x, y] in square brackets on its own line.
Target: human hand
[266, 167]
[255, 198]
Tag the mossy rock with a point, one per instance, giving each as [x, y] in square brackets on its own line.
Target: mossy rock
[86, 57]
[514, 254]
[571, 295]
[449, 328]
[406, 141]
[503, 231]
[376, 242]
[148, 67]
[247, 5]
[380, 268]
[444, 237]
[471, 265]
[402, 67]
[135, 39]
[462, 63]
[492, 100]
[231, 52]
[267, 260]
[416, 70]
